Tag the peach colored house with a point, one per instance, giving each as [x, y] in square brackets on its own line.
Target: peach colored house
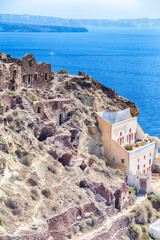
[120, 129]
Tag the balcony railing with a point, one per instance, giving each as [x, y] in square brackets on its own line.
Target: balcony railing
[141, 150]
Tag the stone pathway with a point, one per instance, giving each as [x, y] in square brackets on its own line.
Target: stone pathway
[108, 224]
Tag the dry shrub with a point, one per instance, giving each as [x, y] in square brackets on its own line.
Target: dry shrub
[32, 182]
[9, 92]
[124, 238]
[31, 95]
[1, 221]
[14, 205]
[98, 161]
[141, 215]
[135, 231]
[34, 194]
[10, 118]
[47, 193]
[27, 160]
[63, 71]
[52, 169]
[144, 213]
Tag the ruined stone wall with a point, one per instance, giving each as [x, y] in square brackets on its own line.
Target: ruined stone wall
[118, 229]
[35, 75]
[62, 224]
[38, 108]
[6, 103]
[10, 76]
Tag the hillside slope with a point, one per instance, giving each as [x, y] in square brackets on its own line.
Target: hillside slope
[54, 182]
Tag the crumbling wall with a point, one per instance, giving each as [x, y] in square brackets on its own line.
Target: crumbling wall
[35, 75]
[38, 108]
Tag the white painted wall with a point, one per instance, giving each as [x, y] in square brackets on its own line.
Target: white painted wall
[124, 128]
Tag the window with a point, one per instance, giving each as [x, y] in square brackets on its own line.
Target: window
[122, 161]
[127, 138]
[35, 77]
[135, 136]
[46, 76]
[120, 133]
[24, 78]
[149, 161]
[144, 165]
[132, 136]
[30, 63]
[138, 159]
[137, 167]
[39, 110]
[147, 169]
[144, 157]
[130, 130]
[113, 159]
[14, 74]
[150, 154]
[144, 171]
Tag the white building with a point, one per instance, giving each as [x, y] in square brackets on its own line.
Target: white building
[120, 131]
[154, 229]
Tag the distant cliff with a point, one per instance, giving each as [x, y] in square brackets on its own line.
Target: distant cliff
[16, 27]
[55, 21]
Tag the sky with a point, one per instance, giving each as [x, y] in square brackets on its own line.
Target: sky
[95, 9]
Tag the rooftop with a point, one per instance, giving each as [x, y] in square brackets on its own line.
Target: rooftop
[116, 117]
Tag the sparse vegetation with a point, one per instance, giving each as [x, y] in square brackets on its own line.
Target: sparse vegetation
[1, 221]
[14, 205]
[9, 92]
[52, 169]
[32, 182]
[135, 231]
[63, 71]
[10, 118]
[128, 147]
[98, 161]
[46, 193]
[34, 194]
[31, 95]
[142, 214]
[124, 238]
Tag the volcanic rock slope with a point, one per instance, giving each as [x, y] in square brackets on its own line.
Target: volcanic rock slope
[54, 182]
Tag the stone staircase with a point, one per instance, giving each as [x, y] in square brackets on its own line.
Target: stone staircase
[29, 109]
[155, 183]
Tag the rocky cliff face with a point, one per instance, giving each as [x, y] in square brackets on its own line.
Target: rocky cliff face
[54, 180]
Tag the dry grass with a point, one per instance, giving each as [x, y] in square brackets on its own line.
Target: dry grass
[31, 95]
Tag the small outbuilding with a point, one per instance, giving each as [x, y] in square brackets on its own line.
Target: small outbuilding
[154, 229]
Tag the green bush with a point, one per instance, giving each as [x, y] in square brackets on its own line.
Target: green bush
[63, 71]
[128, 147]
[135, 231]
[132, 190]
[31, 95]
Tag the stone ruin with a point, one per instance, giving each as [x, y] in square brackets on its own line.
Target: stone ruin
[15, 73]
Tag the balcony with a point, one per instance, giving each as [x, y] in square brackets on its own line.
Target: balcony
[137, 150]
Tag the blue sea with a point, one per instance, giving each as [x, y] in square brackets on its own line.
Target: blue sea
[125, 59]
